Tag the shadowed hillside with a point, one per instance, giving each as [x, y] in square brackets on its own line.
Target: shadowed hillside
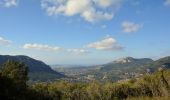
[38, 70]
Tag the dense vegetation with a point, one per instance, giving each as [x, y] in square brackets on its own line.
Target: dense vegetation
[38, 70]
[14, 86]
[156, 64]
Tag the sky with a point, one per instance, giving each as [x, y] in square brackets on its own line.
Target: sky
[85, 32]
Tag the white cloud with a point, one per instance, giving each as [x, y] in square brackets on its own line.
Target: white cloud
[9, 3]
[78, 51]
[4, 41]
[167, 3]
[41, 47]
[108, 43]
[129, 27]
[90, 10]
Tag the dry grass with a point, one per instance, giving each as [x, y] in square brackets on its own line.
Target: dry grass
[148, 98]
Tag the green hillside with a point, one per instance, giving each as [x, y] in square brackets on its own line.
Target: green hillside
[126, 64]
[162, 62]
[38, 70]
[122, 68]
[13, 85]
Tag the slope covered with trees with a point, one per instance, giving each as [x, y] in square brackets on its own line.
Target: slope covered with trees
[119, 69]
[127, 64]
[162, 62]
[13, 86]
[38, 70]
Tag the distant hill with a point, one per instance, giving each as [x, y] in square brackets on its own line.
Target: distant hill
[122, 68]
[38, 70]
[162, 62]
[127, 64]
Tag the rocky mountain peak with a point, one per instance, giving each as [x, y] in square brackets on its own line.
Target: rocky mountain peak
[124, 60]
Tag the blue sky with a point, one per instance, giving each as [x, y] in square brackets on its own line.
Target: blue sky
[84, 31]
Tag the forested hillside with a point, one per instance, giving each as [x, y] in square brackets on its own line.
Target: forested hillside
[13, 85]
[119, 69]
[162, 62]
[38, 70]
[126, 64]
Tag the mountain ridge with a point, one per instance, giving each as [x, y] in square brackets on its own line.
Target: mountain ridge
[162, 62]
[36, 67]
[126, 63]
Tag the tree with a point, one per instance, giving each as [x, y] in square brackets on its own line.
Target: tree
[16, 71]
[13, 78]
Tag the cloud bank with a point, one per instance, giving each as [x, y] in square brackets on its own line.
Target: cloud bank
[90, 10]
[78, 51]
[41, 47]
[108, 43]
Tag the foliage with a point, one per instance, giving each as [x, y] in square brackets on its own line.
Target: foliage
[149, 87]
[37, 68]
[13, 78]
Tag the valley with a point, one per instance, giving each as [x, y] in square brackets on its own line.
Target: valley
[118, 70]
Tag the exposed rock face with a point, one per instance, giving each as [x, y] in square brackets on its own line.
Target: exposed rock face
[124, 60]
